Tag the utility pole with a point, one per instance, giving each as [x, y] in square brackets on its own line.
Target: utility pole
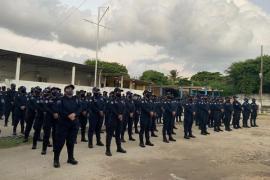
[261, 78]
[99, 19]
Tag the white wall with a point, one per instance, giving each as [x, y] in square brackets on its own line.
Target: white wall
[30, 84]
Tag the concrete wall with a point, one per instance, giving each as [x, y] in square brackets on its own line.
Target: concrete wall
[30, 72]
[7, 69]
[29, 84]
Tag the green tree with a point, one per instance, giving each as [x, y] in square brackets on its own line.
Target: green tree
[245, 75]
[155, 77]
[184, 81]
[108, 67]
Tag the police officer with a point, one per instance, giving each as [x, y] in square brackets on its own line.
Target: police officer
[67, 126]
[96, 111]
[31, 111]
[168, 117]
[189, 114]
[254, 111]
[228, 109]
[41, 112]
[154, 119]
[204, 115]
[137, 113]
[2, 104]
[237, 109]
[50, 107]
[114, 122]
[246, 112]
[128, 117]
[9, 106]
[83, 116]
[217, 114]
[147, 113]
[19, 109]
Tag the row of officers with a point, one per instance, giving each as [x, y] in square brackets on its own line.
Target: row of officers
[61, 115]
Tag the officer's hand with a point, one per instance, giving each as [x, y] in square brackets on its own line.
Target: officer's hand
[55, 115]
[22, 107]
[222, 110]
[101, 113]
[72, 116]
[84, 113]
[131, 115]
[173, 113]
[120, 117]
[151, 114]
[194, 113]
[209, 112]
[3, 117]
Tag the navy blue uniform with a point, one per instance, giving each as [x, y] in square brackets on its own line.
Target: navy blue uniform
[31, 113]
[128, 118]
[67, 129]
[246, 113]
[170, 108]
[253, 117]
[49, 124]
[2, 104]
[114, 122]
[96, 116]
[237, 109]
[228, 109]
[19, 111]
[189, 108]
[83, 117]
[204, 115]
[9, 105]
[146, 120]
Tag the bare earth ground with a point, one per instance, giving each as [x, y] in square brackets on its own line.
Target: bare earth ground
[240, 154]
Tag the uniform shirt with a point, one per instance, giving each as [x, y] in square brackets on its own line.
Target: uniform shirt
[69, 105]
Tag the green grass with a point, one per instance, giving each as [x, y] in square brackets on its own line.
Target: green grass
[12, 141]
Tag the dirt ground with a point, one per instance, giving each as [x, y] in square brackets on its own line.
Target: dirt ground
[240, 154]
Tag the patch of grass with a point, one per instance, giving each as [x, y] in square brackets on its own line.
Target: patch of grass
[12, 141]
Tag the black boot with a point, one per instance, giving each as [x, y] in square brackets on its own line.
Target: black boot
[165, 139]
[83, 139]
[171, 138]
[108, 151]
[131, 138]
[70, 150]
[56, 162]
[141, 141]
[72, 161]
[148, 143]
[120, 149]
[192, 136]
[99, 143]
[44, 149]
[153, 134]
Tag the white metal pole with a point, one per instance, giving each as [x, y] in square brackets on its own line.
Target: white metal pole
[18, 69]
[261, 76]
[97, 47]
[73, 75]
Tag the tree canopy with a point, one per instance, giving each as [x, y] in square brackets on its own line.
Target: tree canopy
[245, 77]
[109, 67]
[155, 77]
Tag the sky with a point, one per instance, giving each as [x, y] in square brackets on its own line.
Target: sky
[186, 35]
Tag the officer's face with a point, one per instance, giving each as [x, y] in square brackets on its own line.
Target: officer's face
[69, 91]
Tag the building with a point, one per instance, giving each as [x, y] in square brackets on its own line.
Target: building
[31, 70]
[179, 91]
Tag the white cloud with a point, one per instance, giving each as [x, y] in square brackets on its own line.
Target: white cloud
[188, 35]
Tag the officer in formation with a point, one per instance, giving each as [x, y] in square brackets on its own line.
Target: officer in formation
[60, 116]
